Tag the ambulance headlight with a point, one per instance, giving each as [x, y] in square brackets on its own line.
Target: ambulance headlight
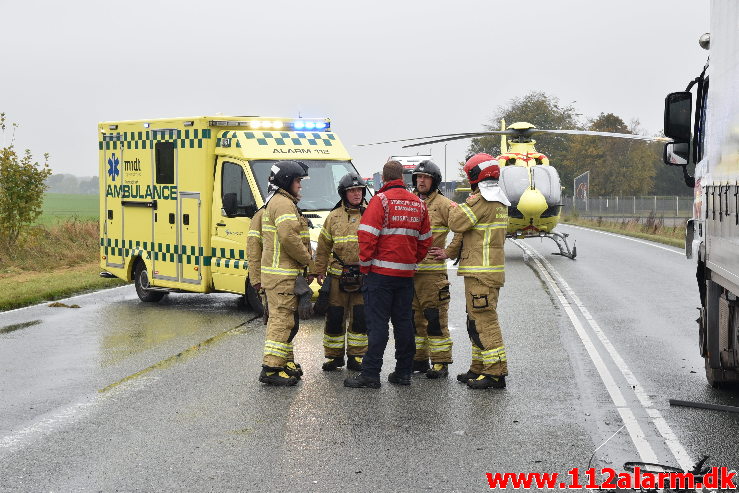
[320, 125]
[299, 125]
[310, 125]
[276, 125]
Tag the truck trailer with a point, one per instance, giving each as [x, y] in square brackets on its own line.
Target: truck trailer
[703, 122]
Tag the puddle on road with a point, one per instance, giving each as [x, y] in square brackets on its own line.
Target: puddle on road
[12, 328]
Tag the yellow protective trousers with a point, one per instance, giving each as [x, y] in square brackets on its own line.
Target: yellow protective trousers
[430, 317]
[344, 318]
[282, 324]
[488, 351]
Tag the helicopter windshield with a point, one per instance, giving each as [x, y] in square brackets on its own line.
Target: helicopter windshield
[319, 192]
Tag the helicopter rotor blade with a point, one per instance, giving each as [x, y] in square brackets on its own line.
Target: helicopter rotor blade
[534, 131]
[461, 135]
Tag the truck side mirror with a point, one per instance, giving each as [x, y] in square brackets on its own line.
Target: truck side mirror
[678, 116]
[676, 153]
[229, 204]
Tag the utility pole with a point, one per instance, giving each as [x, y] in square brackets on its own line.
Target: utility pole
[446, 183]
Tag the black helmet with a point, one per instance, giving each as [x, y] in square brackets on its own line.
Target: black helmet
[283, 173]
[351, 180]
[428, 168]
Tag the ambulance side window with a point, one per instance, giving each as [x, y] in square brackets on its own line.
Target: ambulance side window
[233, 181]
[164, 155]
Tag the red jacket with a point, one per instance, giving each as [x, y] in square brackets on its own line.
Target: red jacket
[394, 234]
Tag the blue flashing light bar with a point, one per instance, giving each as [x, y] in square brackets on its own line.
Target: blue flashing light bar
[310, 125]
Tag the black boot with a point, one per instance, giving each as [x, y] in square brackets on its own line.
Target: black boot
[439, 370]
[468, 375]
[359, 381]
[276, 376]
[294, 369]
[399, 379]
[354, 363]
[421, 366]
[487, 382]
[332, 364]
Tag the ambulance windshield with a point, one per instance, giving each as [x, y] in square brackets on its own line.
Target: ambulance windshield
[319, 192]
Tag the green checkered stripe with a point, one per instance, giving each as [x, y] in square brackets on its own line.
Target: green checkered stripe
[183, 139]
[165, 252]
[322, 139]
[230, 258]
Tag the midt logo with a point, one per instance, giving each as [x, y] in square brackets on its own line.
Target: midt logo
[164, 192]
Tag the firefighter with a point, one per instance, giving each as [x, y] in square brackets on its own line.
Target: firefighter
[337, 254]
[431, 284]
[286, 253]
[254, 255]
[483, 220]
[394, 236]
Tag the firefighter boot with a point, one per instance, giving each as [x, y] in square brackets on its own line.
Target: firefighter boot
[487, 382]
[276, 376]
[439, 370]
[332, 364]
[421, 366]
[354, 363]
[468, 375]
[359, 381]
[294, 369]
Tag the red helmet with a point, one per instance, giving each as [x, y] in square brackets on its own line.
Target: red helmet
[481, 167]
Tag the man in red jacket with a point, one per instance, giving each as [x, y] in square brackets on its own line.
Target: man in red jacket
[394, 235]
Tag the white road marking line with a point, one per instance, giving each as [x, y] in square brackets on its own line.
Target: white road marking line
[59, 418]
[679, 252]
[671, 440]
[646, 453]
[44, 303]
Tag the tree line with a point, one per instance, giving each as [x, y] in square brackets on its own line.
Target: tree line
[617, 166]
[65, 183]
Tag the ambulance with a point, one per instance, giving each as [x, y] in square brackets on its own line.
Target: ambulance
[177, 195]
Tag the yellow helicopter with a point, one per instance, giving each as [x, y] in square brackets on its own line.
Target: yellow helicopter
[526, 177]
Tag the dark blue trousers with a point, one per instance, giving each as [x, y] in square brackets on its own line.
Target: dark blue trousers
[388, 298]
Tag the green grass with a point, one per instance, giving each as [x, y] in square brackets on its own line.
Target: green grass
[28, 288]
[59, 207]
[673, 236]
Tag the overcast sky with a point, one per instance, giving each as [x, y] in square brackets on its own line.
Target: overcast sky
[380, 70]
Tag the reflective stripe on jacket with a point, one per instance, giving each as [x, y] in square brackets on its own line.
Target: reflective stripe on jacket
[339, 235]
[286, 247]
[394, 234]
[254, 247]
[438, 207]
[484, 226]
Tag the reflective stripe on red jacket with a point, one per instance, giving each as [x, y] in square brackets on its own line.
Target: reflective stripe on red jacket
[394, 234]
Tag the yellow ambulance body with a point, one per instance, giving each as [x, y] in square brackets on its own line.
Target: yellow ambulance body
[163, 223]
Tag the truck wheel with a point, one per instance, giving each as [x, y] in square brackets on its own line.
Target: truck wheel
[714, 376]
[141, 281]
[253, 299]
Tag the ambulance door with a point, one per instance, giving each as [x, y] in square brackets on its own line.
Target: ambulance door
[113, 229]
[233, 207]
[190, 247]
[165, 242]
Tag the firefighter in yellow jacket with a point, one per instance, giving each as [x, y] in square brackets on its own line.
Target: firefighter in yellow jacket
[431, 284]
[254, 254]
[483, 220]
[286, 253]
[337, 255]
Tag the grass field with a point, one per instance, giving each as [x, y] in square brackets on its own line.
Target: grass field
[59, 207]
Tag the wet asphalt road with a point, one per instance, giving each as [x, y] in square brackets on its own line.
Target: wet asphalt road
[122, 396]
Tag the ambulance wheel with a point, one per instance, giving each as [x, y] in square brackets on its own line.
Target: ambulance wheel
[141, 281]
[253, 299]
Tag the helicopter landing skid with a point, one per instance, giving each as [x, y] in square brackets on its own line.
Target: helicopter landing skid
[564, 248]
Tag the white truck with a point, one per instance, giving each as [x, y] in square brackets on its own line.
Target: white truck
[707, 133]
